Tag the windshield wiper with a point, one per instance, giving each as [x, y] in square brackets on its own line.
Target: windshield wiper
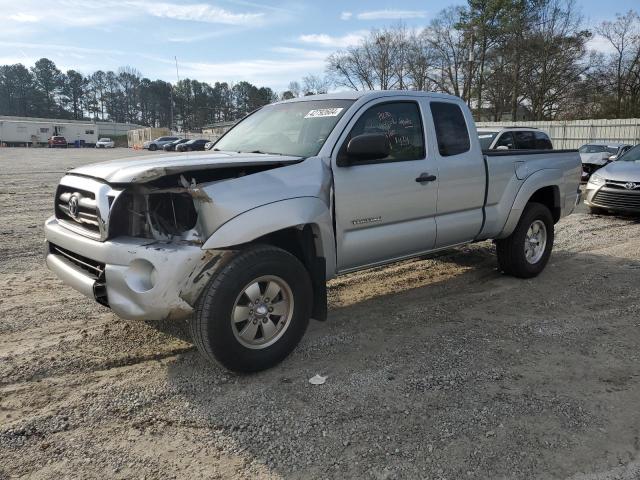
[263, 153]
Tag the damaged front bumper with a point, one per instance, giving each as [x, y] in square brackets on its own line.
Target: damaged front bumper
[138, 279]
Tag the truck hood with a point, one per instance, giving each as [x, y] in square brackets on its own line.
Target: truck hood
[146, 168]
[621, 171]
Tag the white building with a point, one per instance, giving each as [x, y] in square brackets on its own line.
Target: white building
[31, 131]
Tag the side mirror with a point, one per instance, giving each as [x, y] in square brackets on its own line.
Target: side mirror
[502, 147]
[612, 158]
[368, 146]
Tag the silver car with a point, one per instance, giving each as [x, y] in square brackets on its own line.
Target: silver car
[158, 143]
[616, 187]
[597, 154]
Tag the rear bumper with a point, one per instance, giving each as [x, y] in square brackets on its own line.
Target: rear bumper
[138, 279]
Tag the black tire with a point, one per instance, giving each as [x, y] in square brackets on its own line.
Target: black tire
[211, 327]
[511, 250]
[153, 147]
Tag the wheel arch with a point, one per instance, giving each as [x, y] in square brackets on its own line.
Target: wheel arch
[301, 226]
[542, 187]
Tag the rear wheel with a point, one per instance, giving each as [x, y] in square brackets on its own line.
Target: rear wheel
[254, 311]
[526, 251]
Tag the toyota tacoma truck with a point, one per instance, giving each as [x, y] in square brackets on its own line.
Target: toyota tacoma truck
[242, 239]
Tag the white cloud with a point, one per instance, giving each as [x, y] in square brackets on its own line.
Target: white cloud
[23, 18]
[600, 44]
[291, 64]
[94, 13]
[391, 14]
[55, 48]
[200, 12]
[346, 15]
[334, 42]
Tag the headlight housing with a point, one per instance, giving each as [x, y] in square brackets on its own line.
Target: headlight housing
[159, 215]
[596, 179]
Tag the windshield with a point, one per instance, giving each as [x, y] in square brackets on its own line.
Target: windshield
[598, 149]
[632, 155]
[486, 138]
[297, 128]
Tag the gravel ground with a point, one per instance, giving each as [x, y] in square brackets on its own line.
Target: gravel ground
[437, 368]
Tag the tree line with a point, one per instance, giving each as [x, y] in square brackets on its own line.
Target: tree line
[123, 96]
[501, 55]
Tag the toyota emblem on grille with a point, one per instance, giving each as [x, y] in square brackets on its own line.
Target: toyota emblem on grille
[73, 206]
[631, 185]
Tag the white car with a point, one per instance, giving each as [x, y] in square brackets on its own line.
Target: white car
[598, 154]
[513, 138]
[105, 143]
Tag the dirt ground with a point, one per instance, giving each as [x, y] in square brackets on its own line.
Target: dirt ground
[437, 368]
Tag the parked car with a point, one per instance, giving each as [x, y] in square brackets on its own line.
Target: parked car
[616, 186]
[105, 143]
[171, 146]
[514, 138]
[596, 155]
[192, 145]
[158, 143]
[57, 142]
[209, 145]
[242, 239]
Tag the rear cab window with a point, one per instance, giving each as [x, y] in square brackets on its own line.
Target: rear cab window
[451, 128]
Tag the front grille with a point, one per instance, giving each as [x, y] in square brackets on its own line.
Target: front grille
[617, 198]
[77, 207]
[94, 268]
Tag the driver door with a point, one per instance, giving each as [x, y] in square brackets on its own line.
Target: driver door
[384, 208]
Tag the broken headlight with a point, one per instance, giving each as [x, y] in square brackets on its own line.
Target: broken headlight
[159, 215]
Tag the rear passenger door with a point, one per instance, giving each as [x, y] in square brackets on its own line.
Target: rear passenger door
[461, 174]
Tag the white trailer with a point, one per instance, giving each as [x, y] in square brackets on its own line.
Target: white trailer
[33, 132]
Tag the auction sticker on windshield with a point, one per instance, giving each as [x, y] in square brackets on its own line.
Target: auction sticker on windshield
[324, 112]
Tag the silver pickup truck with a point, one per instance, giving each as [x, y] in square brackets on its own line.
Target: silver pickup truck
[242, 239]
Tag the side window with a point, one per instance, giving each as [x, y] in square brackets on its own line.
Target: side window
[451, 128]
[542, 141]
[505, 140]
[400, 122]
[525, 140]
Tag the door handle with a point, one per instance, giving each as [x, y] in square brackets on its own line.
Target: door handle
[425, 177]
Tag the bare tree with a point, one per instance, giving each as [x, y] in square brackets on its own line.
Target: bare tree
[314, 85]
[623, 35]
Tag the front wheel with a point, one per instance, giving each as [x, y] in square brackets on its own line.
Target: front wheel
[254, 310]
[526, 251]
[153, 147]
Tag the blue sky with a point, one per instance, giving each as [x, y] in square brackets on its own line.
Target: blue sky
[268, 43]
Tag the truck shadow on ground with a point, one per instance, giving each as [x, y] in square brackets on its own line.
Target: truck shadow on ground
[470, 371]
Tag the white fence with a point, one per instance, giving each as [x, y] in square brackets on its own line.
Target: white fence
[575, 133]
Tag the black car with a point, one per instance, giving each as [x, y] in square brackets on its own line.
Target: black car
[192, 145]
[171, 146]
